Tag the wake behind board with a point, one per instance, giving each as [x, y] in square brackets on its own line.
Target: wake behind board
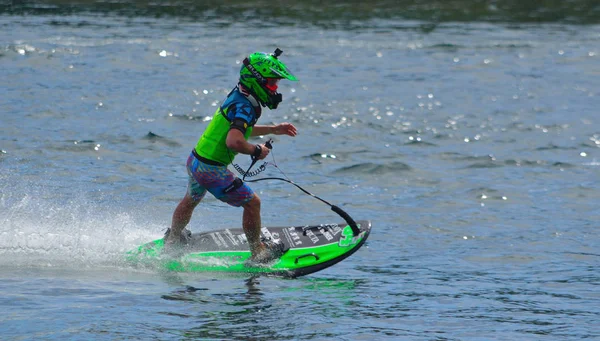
[311, 249]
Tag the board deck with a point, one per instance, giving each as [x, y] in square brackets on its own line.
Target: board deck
[311, 248]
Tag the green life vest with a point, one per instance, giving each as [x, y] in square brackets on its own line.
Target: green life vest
[212, 144]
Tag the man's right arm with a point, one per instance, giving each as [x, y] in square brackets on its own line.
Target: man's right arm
[236, 142]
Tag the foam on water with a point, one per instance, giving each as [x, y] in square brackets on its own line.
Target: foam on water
[38, 229]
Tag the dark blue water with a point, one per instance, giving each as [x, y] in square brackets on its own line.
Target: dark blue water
[471, 143]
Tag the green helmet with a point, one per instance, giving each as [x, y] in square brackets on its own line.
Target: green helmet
[260, 74]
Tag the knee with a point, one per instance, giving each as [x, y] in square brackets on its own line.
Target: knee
[253, 204]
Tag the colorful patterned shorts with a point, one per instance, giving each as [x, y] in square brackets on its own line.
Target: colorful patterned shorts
[214, 179]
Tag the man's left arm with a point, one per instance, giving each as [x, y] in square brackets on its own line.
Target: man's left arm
[277, 129]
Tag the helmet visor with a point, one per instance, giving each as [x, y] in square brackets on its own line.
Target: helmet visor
[272, 84]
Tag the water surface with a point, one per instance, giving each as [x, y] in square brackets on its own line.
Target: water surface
[466, 132]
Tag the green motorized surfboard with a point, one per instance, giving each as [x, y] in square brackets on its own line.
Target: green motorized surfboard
[311, 248]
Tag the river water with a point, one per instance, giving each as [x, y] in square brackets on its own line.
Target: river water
[468, 133]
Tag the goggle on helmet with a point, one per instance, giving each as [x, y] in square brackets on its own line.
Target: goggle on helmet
[260, 74]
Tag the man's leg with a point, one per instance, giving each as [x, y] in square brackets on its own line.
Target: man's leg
[181, 217]
[251, 223]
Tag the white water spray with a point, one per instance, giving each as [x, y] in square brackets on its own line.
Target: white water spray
[45, 230]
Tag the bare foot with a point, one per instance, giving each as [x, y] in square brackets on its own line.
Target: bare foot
[268, 251]
[177, 239]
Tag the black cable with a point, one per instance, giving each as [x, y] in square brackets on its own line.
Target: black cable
[334, 208]
[293, 183]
